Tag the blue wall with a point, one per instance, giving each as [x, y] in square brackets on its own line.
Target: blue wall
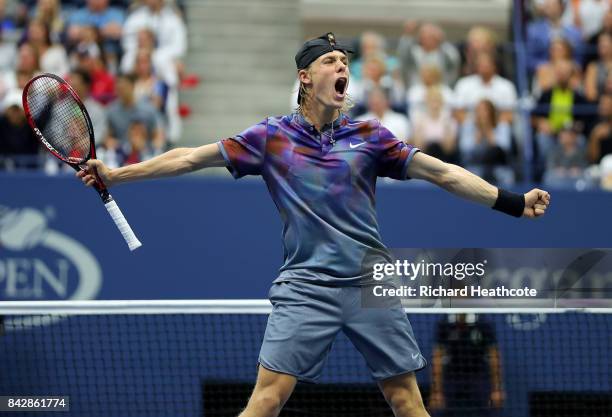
[220, 238]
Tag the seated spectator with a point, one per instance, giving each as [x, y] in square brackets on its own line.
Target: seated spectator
[27, 67]
[542, 31]
[485, 143]
[140, 147]
[375, 75]
[586, 15]
[110, 152]
[430, 77]
[161, 94]
[107, 20]
[169, 29]
[600, 140]
[605, 168]
[123, 111]
[560, 50]
[163, 68]
[148, 86]
[598, 72]
[8, 25]
[378, 108]
[49, 12]
[485, 84]
[434, 130]
[593, 41]
[81, 81]
[90, 57]
[567, 160]
[52, 57]
[429, 49]
[373, 44]
[480, 39]
[558, 107]
[8, 54]
[18, 145]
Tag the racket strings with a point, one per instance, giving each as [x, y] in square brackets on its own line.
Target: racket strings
[58, 116]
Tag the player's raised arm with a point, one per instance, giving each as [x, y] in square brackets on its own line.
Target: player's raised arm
[174, 162]
[463, 183]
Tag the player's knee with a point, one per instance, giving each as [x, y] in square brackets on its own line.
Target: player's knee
[267, 402]
[406, 404]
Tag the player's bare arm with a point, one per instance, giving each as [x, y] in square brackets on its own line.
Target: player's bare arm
[463, 183]
[174, 162]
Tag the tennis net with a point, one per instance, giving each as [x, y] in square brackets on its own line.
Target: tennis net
[198, 358]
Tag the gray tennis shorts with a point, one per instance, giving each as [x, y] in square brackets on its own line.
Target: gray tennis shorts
[307, 317]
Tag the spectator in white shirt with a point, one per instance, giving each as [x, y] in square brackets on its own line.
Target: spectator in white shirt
[167, 25]
[27, 66]
[431, 76]
[485, 144]
[586, 15]
[81, 81]
[373, 44]
[479, 39]
[375, 75]
[485, 84]
[378, 108]
[163, 67]
[435, 130]
[8, 54]
[52, 57]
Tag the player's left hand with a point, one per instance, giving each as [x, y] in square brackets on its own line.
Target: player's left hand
[536, 203]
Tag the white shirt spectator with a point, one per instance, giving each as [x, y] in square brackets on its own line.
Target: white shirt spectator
[55, 61]
[467, 137]
[169, 29]
[97, 114]
[591, 13]
[433, 129]
[471, 89]
[8, 82]
[163, 68]
[396, 123]
[8, 56]
[416, 97]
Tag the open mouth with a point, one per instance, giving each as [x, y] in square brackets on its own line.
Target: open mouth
[340, 85]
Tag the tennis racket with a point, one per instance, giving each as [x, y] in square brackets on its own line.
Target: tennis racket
[59, 119]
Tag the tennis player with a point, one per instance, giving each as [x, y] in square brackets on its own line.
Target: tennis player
[321, 168]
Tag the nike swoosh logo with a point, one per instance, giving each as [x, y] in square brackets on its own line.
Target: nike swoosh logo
[415, 356]
[356, 145]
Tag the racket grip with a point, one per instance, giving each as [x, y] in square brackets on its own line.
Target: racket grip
[122, 225]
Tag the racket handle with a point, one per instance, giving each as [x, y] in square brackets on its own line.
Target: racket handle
[122, 225]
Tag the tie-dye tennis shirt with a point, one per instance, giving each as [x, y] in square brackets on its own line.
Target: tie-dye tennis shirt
[323, 184]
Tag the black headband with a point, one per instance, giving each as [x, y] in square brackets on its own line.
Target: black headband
[322, 45]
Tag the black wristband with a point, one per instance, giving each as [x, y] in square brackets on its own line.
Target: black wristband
[510, 203]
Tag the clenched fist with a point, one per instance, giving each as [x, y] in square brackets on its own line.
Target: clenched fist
[536, 203]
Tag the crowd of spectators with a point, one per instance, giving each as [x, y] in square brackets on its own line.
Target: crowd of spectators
[459, 101]
[123, 58]
[456, 100]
